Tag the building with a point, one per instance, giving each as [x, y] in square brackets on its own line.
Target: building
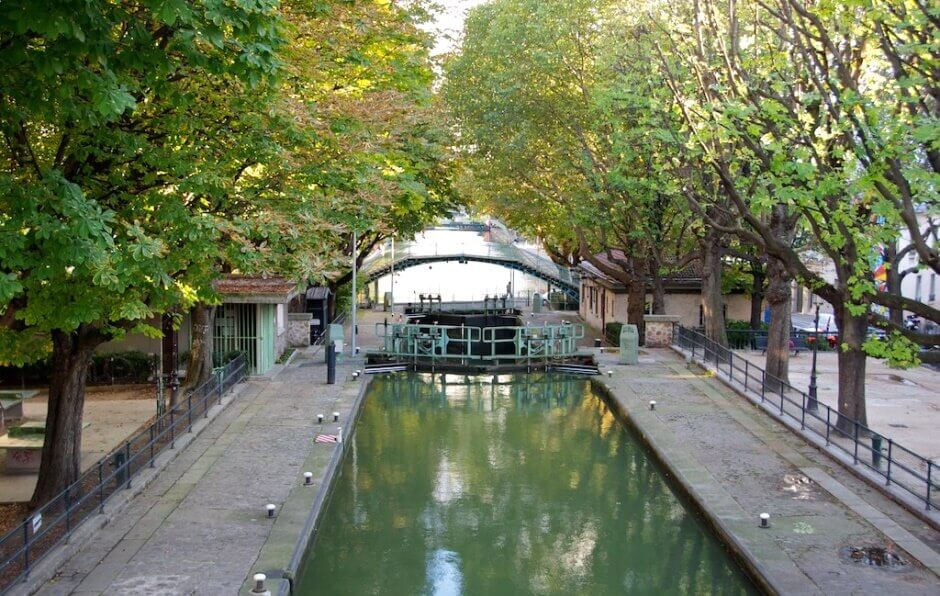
[604, 299]
[252, 319]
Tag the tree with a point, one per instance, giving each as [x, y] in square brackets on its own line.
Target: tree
[105, 132]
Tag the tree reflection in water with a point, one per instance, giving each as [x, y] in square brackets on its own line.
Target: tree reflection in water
[506, 485]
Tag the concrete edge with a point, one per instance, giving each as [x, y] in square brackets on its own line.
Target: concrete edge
[739, 551]
[911, 505]
[49, 565]
[306, 535]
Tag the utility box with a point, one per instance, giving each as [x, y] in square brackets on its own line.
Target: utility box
[536, 303]
[629, 345]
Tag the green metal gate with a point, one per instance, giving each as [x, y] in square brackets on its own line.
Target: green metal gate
[236, 330]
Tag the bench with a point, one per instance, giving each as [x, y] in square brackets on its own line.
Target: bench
[11, 404]
[797, 344]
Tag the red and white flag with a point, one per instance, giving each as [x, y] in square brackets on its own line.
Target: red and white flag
[325, 439]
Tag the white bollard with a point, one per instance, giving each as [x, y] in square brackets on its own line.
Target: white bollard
[259, 587]
[335, 416]
[765, 520]
[339, 434]
[271, 508]
[652, 404]
[319, 418]
[610, 373]
[308, 478]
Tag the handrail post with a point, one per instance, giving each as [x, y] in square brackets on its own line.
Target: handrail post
[189, 412]
[929, 483]
[828, 412]
[173, 427]
[746, 373]
[127, 462]
[781, 396]
[151, 446]
[803, 412]
[68, 511]
[763, 384]
[100, 488]
[855, 438]
[26, 546]
[888, 474]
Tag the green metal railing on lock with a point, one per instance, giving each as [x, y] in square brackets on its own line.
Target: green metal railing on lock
[409, 341]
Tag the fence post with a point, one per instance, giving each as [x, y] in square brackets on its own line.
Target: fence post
[888, 475]
[763, 384]
[929, 469]
[26, 546]
[746, 373]
[127, 462]
[781, 397]
[100, 488]
[221, 383]
[189, 413]
[730, 365]
[151, 446]
[855, 438]
[828, 412]
[803, 412]
[68, 511]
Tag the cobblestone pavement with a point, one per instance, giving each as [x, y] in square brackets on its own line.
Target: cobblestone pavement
[736, 463]
[200, 526]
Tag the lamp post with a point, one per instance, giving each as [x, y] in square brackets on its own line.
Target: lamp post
[813, 403]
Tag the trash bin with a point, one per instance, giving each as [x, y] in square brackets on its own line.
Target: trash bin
[876, 441]
[536, 303]
[629, 345]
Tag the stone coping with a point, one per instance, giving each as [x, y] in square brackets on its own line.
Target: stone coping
[661, 318]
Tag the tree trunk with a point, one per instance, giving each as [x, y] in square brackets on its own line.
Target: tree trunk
[757, 295]
[712, 299]
[778, 335]
[659, 291]
[636, 300]
[62, 447]
[853, 330]
[199, 367]
[893, 282]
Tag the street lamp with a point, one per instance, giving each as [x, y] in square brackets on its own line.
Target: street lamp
[813, 403]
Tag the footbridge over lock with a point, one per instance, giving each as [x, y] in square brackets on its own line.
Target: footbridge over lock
[506, 255]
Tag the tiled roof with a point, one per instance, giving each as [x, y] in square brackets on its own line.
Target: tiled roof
[236, 285]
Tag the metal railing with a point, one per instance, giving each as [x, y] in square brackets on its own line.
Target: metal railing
[54, 522]
[894, 463]
[756, 339]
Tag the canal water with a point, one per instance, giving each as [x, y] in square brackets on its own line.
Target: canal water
[506, 485]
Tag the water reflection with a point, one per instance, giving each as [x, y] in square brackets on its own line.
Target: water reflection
[526, 487]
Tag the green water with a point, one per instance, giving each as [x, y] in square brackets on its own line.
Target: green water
[527, 486]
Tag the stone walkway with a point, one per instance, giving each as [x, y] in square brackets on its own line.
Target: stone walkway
[200, 526]
[901, 404]
[736, 463]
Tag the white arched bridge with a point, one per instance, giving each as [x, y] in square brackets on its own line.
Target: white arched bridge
[506, 255]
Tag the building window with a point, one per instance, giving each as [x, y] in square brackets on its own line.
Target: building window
[917, 292]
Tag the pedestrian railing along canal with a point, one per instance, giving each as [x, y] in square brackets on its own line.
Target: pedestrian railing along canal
[895, 464]
[53, 523]
[490, 345]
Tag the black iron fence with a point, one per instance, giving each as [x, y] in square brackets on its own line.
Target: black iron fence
[894, 463]
[756, 339]
[53, 523]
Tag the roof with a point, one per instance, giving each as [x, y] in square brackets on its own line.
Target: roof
[255, 289]
[688, 277]
[317, 293]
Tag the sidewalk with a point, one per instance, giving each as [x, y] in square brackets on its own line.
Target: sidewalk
[199, 528]
[736, 463]
[902, 404]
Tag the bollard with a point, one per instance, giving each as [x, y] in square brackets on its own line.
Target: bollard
[259, 587]
[271, 508]
[765, 520]
[331, 364]
[319, 418]
[308, 478]
[597, 343]
[335, 416]
[339, 434]
[652, 404]
[610, 373]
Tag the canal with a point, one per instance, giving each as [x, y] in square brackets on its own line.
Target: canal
[506, 485]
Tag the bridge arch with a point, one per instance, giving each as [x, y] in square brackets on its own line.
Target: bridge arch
[507, 256]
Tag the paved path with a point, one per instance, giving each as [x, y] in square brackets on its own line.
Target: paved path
[738, 462]
[902, 404]
[200, 527]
